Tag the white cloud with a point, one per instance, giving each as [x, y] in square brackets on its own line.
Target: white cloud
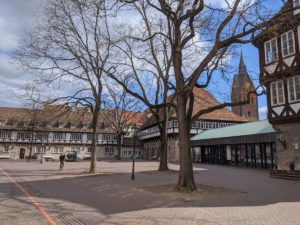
[263, 111]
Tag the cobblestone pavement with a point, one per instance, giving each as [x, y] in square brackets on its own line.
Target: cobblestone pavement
[110, 197]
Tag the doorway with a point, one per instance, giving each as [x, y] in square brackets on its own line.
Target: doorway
[22, 153]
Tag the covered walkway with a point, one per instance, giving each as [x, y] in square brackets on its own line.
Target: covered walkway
[249, 145]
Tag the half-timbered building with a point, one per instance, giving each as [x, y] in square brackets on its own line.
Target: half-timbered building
[150, 136]
[52, 130]
[279, 53]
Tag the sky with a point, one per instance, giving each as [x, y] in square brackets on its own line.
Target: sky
[17, 17]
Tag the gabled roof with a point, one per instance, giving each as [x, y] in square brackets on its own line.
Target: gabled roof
[223, 135]
[50, 116]
[203, 100]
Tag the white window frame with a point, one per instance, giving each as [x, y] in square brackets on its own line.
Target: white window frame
[73, 125]
[296, 4]
[60, 125]
[58, 149]
[40, 149]
[295, 91]
[6, 148]
[271, 93]
[75, 149]
[288, 47]
[265, 48]
[2, 122]
[109, 150]
[76, 136]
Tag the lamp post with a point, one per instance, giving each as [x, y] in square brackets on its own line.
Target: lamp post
[280, 139]
[133, 156]
[42, 148]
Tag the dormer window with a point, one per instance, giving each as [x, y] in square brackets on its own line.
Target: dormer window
[84, 126]
[60, 125]
[288, 43]
[271, 51]
[2, 122]
[73, 125]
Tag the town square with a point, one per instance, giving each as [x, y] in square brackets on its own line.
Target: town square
[150, 112]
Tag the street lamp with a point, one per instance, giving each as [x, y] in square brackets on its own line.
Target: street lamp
[280, 139]
[133, 156]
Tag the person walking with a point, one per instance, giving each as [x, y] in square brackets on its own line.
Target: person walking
[61, 160]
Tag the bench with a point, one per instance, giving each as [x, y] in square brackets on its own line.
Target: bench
[4, 156]
[48, 157]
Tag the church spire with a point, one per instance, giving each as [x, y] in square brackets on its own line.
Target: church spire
[242, 66]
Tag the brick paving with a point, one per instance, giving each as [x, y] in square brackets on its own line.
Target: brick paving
[72, 197]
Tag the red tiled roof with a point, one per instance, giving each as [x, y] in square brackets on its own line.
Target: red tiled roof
[204, 100]
[52, 115]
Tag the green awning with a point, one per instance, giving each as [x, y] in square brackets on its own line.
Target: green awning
[253, 132]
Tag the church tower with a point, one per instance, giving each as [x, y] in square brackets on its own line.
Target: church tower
[242, 85]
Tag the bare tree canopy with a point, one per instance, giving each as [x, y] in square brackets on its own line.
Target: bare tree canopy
[69, 50]
[198, 38]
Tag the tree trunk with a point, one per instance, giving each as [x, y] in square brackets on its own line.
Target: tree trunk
[163, 164]
[94, 140]
[186, 180]
[119, 146]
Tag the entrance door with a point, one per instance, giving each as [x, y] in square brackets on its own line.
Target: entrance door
[22, 153]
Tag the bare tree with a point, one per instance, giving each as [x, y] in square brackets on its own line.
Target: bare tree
[198, 28]
[146, 76]
[69, 50]
[122, 113]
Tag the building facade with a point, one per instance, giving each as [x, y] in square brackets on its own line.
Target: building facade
[279, 53]
[150, 136]
[242, 85]
[51, 131]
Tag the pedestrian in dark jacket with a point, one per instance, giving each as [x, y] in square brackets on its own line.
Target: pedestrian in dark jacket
[61, 160]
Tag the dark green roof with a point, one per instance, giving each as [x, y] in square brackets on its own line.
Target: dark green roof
[254, 129]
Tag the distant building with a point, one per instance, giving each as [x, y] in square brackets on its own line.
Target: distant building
[149, 134]
[279, 53]
[55, 129]
[242, 85]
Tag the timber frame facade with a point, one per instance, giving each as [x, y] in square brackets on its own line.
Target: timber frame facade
[279, 53]
[50, 132]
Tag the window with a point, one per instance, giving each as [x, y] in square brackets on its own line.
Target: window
[76, 137]
[271, 53]
[294, 88]
[6, 148]
[2, 122]
[89, 149]
[175, 123]
[89, 137]
[40, 149]
[109, 151]
[60, 125]
[207, 125]
[288, 44]
[59, 149]
[296, 3]
[59, 136]
[84, 126]
[42, 135]
[73, 125]
[75, 149]
[5, 134]
[277, 93]
[23, 135]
